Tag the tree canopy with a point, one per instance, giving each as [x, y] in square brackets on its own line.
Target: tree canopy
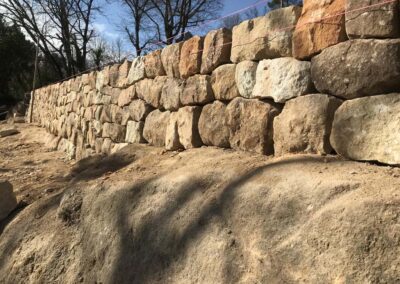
[17, 58]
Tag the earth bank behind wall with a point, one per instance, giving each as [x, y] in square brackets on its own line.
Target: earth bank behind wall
[276, 84]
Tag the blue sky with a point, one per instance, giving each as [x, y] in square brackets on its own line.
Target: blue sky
[107, 24]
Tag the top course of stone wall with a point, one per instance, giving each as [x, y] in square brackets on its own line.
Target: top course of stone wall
[321, 79]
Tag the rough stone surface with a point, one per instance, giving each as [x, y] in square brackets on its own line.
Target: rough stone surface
[118, 147]
[358, 68]
[170, 57]
[114, 131]
[380, 21]
[106, 146]
[172, 142]
[137, 71]
[126, 96]
[197, 90]
[245, 77]
[150, 90]
[153, 64]
[217, 49]
[223, 83]
[171, 93]
[282, 79]
[155, 127]
[317, 29]
[188, 119]
[8, 132]
[123, 73]
[213, 129]
[304, 125]
[190, 60]
[113, 75]
[103, 78]
[67, 147]
[139, 109]
[8, 201]
[265, 37]
[250, 125]
[134, 132]
[367, 129]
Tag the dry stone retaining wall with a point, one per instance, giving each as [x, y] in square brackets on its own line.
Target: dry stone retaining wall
[298, 80]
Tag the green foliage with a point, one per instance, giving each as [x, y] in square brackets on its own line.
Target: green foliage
[275, 4]
[16, 63]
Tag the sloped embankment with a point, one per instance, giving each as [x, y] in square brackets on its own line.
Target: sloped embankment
[209, 216]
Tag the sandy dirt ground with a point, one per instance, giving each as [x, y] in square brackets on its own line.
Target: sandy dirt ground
[207, 215]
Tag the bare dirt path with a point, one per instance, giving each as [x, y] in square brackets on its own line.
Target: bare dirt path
[205, 215]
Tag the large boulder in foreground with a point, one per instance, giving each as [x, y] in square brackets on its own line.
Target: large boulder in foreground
[250, 125]
[322, 24]
[304, 125]
[368, 129]
[265, 37]
[212, 125]
[8, 201]
[382, 20]
[358, 68]
[155, 127]
[217, 49]
[282, 79]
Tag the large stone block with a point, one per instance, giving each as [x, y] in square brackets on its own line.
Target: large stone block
[245, 77]
[153, 64]
[282, 79]
[134, 132]
[188, 120]
[191, 53]
[106, 146]
[217, 49]
[265, 37]
[170, 57]
[8, 201]
[155, 127]
[114, 74]
[367, 129]
[137, 71]
[250, 125]
[67, 147]
[358, 68]
[382, 20]
[213, 128]
[197, 90]
[172, 142]
[304, 125]
[223, 83]
[114, 131]
[139, 109]
[322, 24]
[171, 93]
[123, 73]
[150, 90]
[126, 96]
[103, 78]
[106, 115]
